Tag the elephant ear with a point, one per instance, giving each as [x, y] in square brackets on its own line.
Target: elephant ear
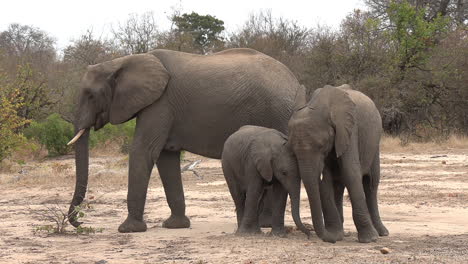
[300, 99]
[346, 87]
[343, 117]
[138, 81]
[261, 157]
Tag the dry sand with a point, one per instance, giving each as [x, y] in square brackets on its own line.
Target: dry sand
[423, 202]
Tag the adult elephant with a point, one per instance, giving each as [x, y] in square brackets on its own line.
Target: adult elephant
[180, 101]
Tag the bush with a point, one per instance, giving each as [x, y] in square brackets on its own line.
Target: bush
[122, 133]
[53, 133]
[10, 124]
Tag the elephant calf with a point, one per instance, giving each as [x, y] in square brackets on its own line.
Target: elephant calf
[252, 158]
[337, 134]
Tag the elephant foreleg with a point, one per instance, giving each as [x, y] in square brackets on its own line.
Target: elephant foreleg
[338, 189]
[254, 194]
[140, 167]
[168, 165]
[331, 213]
[278, 207]
[266, 208]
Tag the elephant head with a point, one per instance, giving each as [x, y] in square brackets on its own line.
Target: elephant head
[113, 91]
[321, 127]
[277, 161]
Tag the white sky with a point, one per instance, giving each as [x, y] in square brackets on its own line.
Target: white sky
[66, 20]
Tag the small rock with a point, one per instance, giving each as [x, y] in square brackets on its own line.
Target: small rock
[384, 250]
[444, 162]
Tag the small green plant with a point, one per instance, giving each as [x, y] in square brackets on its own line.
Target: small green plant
[86, 230]
[53, 133]
[59, 218]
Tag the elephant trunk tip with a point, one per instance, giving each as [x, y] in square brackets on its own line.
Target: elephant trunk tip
[72, 216]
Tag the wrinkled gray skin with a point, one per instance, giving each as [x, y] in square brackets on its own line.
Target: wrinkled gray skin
[337, 134]
[252, 158]
[181, 101]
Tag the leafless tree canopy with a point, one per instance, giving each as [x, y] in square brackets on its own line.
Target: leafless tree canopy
[138, 34]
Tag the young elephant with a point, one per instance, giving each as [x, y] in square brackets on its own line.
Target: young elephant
[337, 134]
[252, 158]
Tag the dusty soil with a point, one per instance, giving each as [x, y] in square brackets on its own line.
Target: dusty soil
[423, 202]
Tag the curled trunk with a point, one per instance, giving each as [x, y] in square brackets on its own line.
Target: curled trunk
[81, 163]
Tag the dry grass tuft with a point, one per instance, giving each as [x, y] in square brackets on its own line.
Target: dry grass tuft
[394, 144]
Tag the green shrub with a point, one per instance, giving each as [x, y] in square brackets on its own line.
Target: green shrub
[122, 133]
[53, 133]
[10, 125]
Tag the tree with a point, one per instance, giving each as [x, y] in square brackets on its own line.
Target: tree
[28, 91]
[10, 124]
[89, 50]
[138, 34]
[205, 30]
[282, 39]
[457, 10]
[26, 44]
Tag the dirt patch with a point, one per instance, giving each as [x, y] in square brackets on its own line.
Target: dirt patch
[423, 202]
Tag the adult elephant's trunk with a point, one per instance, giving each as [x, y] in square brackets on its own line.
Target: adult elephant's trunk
[310, 174]
[295, 199]
[81, 163]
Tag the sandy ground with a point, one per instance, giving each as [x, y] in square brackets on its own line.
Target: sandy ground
[423, 202]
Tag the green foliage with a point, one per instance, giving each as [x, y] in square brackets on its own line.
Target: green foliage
[59, 218]
[54, 133]
[32, 94]
[10, 125]
[122, 133]
[413, 33]
[86, 230]
[205, 30]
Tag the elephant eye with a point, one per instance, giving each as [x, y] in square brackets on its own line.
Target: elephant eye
[284, 172]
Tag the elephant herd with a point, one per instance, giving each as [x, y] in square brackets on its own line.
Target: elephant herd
[248, 110]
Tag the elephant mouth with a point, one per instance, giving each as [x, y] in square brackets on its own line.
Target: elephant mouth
[101, 120]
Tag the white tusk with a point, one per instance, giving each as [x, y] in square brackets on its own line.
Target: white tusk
[78, 135]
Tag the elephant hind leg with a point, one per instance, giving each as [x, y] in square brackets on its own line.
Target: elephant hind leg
[352, 178]
[168, 164]
[371, 184]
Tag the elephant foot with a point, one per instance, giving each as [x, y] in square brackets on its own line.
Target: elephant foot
[176, 222]
[243, 230]
[337, 234]
[336, 230]
[279, 231]
[381, 229]
[328, 237]
[131, 225]
[368, 235]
